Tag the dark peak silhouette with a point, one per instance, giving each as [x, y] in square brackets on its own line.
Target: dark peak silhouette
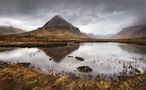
[59, 23]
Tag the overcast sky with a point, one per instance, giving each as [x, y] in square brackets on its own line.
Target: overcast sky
[91, 16]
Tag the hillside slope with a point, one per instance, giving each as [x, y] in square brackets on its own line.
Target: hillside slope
[5, 30]
[132, 32]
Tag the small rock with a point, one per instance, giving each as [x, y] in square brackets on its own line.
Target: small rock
[50, 59]
[84, 69]
[122, 77]
[3, 63]
[137, 71]
[80, 58]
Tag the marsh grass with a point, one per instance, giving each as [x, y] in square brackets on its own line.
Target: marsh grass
[16, 77]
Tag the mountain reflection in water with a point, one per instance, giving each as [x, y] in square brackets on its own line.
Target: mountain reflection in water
[105, 60]
[139, 49]
[58, 53]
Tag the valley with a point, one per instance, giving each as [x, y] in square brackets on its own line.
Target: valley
[58, 56]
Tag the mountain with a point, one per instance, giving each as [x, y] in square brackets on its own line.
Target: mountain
[6, 30]
[59, 23]
[57, 29]
[138, 31]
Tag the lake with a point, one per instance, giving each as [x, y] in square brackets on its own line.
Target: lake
[96, 61]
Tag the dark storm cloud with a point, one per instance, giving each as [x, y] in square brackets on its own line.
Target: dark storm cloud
[31, 7]
[79, 12]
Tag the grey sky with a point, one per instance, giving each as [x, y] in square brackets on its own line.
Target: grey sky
[91, 16]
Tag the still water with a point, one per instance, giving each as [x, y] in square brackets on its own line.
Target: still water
[105, 60]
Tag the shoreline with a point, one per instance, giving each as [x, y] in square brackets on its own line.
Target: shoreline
[22, 78]
[63, 43]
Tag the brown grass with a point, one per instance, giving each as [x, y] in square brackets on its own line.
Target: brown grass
[128, 41]
[14, 77]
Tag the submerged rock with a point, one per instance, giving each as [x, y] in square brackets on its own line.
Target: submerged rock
[84, 69]
[26, 64]
[70, 56]
[80, 58]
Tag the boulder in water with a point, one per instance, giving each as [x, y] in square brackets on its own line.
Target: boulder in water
[84, 69]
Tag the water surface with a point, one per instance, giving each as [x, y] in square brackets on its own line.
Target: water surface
[107, 60]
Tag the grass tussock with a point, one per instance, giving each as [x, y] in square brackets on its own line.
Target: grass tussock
[24, 78]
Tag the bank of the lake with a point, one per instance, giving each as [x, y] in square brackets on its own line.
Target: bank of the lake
[15, 77]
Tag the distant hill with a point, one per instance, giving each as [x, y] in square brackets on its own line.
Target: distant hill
[90, 35]
[132, 32]
[94, 36]
[104, 36]
[56, 29]
[5, 30]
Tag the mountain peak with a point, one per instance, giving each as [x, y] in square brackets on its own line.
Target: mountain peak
[56, 21]
[59, 23]
[58, 17]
